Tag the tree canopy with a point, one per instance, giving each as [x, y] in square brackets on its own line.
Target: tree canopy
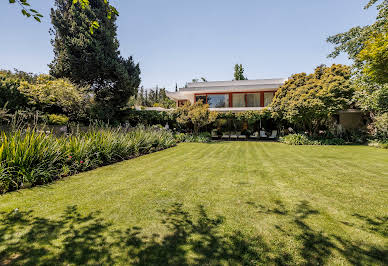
[367, 45]
[308, 101]
[196, 116]
[92, 60]
[239, 72]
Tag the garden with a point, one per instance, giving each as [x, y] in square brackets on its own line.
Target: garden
[232, 203]
[88, 176]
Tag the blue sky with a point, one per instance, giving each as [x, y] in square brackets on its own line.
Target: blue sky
[178, 40]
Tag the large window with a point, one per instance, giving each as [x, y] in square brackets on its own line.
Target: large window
[268, 97]
[218, 100]
[253, 99]
[200, 98]
[238, 100]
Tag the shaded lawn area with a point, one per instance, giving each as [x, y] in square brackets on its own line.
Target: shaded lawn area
[227, 203]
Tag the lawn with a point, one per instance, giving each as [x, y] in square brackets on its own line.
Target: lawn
[221, 203]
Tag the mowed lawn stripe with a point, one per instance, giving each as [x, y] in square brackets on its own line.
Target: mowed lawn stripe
[296, 205]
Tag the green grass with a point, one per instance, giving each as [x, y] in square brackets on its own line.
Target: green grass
[221, 203]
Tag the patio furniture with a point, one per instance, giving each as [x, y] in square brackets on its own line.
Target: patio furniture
[273, 135]
[242, 137]
[234, 135]
[214, 134]
[254, 135]
[263, 135]
[225, 135]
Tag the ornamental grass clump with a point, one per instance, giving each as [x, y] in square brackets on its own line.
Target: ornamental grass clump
[29, 158]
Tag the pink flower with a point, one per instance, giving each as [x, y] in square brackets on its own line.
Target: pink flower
[70, 156]
[81, 162]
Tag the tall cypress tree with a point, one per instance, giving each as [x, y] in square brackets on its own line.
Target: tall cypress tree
[92, 59]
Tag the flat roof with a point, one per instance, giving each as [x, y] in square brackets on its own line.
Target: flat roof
[234, 84]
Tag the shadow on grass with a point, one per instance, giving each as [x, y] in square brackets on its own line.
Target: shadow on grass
[317, 246]
[88, 239]
[79, 239]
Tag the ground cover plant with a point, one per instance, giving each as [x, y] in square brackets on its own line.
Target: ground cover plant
[31, 157]
[222, 203]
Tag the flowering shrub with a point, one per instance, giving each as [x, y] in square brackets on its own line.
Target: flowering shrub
[32, 158]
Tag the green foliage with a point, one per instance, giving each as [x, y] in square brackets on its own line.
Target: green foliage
[380, 126]
[26, 10]
[154, 98]
[148, 118]
[356, 39]
[296, 139]
[197, 115]
[371, 97]
[375, 57]
[51, 95]
[92, 61]
[30, 157]
[35, 158]
[301, 139]
[54, 119]
[203, 137]
[383, 144]
[308, 101]
[9, 92]
[239, 72]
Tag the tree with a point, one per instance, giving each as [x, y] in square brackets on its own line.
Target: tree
[359, 42]
[55, 96]
[309, 101]
[196, 115]
[92, 61]
[371, 97]
[239, 72]
[375, 57]
[30, 12]
[10, 94]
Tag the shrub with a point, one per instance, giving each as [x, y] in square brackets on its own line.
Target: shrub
[381, 126]
[379, 144]
[37, 158]
[300, 139]
[296, 139]
[54, 119]
[204, 137]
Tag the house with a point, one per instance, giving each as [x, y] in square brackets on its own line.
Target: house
[249, 95]
[225, 96]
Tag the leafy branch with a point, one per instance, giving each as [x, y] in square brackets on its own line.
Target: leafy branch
[30, 12]
[26, 11]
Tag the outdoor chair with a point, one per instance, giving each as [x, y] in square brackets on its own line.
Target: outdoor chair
[234, 135]
[242, 136]
[274, 134]
[225, 135]
[214, 134]
[263, 135]
[254, 135]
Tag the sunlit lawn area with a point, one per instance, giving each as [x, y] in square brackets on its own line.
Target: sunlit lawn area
[221, 203]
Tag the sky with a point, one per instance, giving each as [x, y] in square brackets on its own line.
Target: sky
[176, 41]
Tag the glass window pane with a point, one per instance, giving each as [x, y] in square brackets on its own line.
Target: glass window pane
[268, 97]
[238, 100]
[253, 99]
[218, 100]
[200, 98]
